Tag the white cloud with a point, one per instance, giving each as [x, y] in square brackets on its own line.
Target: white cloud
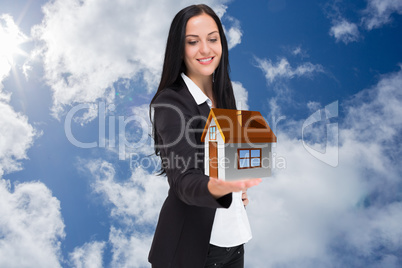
[313, 106]
[275, 109]
[342, 29]
[137, 200]
[31, 226]
[310, 214]
[16, 135]
[234, 33]
[5, 65]
[130, 249]
[88, 256]
[135, 204]
[345, 31]
[11, 37]
[241, 96]
[89, 46]
[282, 69]
[234, 37]
[378, 12]
[381, 115]
[298, 51]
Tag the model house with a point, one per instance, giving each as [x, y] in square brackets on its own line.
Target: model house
[238, 145]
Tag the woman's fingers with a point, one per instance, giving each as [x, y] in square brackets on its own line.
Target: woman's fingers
[243, 185]
[220, 188]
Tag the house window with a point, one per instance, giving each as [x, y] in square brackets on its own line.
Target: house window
[212, 133]
[249, 158]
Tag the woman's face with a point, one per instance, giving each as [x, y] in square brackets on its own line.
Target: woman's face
[203, 49]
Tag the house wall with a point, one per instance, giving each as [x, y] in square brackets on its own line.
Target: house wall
[227, 159]
[221, 152]
[233, 173]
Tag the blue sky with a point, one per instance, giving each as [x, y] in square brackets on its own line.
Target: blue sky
[78, 187]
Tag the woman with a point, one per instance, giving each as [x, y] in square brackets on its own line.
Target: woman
[195, 227]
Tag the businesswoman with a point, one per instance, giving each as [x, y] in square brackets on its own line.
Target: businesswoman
[203, 222]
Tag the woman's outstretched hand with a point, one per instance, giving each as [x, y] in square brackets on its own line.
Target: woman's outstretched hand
[219, 188]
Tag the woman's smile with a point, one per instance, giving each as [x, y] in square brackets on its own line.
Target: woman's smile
[206, 61]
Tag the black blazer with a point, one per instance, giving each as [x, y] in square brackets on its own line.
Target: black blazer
[184, 227]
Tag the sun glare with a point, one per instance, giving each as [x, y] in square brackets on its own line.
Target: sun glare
[10, 40]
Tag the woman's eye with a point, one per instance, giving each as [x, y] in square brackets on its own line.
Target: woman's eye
[213, 40]
[192, 42]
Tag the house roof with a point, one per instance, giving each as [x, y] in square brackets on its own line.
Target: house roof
[238, 126]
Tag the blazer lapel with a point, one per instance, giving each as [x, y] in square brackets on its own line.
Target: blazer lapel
[204, 109]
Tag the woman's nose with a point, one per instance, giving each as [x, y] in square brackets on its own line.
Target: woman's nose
[204, 49]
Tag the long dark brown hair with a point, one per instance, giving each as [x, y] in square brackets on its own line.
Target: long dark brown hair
[173, 64]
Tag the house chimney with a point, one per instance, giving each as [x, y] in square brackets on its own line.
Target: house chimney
[239, 118]
[243, 117]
